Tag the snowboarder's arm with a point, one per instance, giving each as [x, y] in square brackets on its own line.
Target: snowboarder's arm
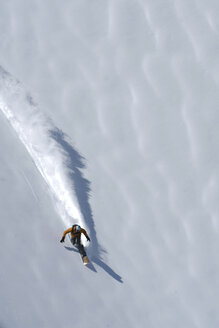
[64, 234]
[66, 231]
[85, 233]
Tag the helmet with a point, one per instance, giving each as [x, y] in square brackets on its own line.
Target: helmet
[76, 228]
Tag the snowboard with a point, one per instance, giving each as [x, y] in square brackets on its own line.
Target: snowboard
[85, 260]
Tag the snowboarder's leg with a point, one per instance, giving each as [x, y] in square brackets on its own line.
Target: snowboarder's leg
[83, 254]
[76, 242]
[81, 249]
[72, 241]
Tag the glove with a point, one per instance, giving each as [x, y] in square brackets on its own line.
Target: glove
[62, 240]
[88, 238]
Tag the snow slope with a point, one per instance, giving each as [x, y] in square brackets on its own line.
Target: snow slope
[109, 117]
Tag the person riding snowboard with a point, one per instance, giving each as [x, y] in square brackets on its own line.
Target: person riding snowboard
[75, 238]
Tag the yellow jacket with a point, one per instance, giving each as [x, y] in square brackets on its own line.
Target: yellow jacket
[75, 234]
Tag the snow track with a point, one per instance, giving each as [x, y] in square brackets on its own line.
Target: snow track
[43, 142]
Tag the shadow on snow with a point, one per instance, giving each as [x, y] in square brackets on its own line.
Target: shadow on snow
[99, 262]
[81, 186]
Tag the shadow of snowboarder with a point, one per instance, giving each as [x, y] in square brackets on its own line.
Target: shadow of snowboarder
[99, 262]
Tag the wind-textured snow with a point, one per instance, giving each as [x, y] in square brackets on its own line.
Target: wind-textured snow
[116, 103]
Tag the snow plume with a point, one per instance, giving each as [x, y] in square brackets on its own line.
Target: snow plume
[40, 137]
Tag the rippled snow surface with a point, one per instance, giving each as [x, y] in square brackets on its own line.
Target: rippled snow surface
[109, 117]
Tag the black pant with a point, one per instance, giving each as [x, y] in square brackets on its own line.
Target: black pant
[76, 241]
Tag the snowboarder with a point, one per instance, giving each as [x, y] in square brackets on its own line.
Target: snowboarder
[75, 238]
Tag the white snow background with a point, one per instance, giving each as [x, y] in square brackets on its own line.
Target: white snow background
[110, 119]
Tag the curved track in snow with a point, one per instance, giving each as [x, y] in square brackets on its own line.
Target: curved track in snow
[57, 161]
